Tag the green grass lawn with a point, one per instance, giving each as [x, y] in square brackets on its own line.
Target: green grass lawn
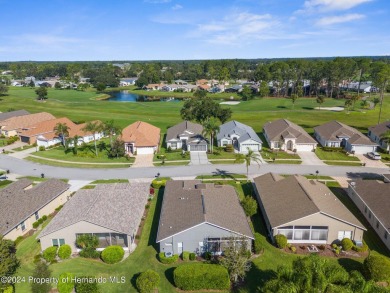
[221, 155]
[75, 165]
[268, 154]
[216, 162]
[4, 183]
[23, 148]
[171, 163]
[170, 156]
[334, 156]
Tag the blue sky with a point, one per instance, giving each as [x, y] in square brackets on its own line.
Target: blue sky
[191, 29]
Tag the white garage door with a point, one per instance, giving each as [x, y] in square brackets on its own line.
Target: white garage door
[305, 147]
[364, 149]
[198, 148]
[145, 151]
[253, 147]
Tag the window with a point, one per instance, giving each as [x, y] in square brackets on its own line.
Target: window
[173, 144]
[369, 215]
[23, 226]
[386, 233]
[58, 242]
[377, 224]
[365, 209]
[36, 216]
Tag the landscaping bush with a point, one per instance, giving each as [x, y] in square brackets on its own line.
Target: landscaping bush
[65, 283]
[40, 221]
[112, 254]
[35, 224]
[64, 251]
[293, 249]
[87, 287]
[87, 240]
[89, 252]
[332, 149]
[185, 255]
[192, 256]
[37, 258]
[281, 241]
[50, 253]
[9, 289]
[347, 244]
[257, 247]
[58, 208]
[156, 184]
[167, 260]
[42, 148]
[377, 268]
[44, 218]
[362, 248]
[147, 281]
[208, 255]
[201, 277]
[229, 148]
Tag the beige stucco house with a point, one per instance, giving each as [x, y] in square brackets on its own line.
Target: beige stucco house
[305, 211]
[21, 204]
[141, 138]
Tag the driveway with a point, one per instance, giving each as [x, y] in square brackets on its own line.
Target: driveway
[310, 158]
[199, 158]
[23, 154]
[371, 163]
[143, 161]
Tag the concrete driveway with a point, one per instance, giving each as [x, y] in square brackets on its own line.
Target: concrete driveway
[143, 161]
[371, 163]
[199, 158]
[310, 158]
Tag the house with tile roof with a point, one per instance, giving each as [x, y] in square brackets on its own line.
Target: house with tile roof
[14, 125]
[199, 217]
[285, 135]
[21, 204]
[141, 138]
[241, 136]
[337, 134]
[186, 136]
[375, 134]
[372, 198]
[112, 212]
[305, 211]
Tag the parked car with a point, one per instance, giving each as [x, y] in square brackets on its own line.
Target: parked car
[3, 177]
[374, 155]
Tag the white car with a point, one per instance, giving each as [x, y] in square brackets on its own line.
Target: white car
[374, 155]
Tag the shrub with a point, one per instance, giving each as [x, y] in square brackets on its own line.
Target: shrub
[89, 252]
[35, 224]
[207, 255]
[42, 148]
[257, 247]
[58, 208]
[201, 277]
[293, 249]
[281, 241]
[185, 255]
[40, 221]
[346, 244]
[87, 240]
[377, 268]
[147, 281]
[37, 258]
[9, 289]
[229, 148]
[167, 260]
[65, 283]
[87, 287]
[50, 253]
[112, 254]
[157, 183]
[44, 218]
[334, 246]
[64, 251]
[250, 205]
[362, 248]
[192, 256]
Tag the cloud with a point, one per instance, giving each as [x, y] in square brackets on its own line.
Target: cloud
[46, 39]
[330, 20]
[177, 7]
[327, 5]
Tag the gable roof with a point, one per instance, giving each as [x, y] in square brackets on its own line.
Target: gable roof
[18, 201]
[335, 131]
[45, 127]
[190, 203]
[381, 128]
[118, 207]
[7, 115]
[142, 134]
[193, 130]
[294, 197]
[25, 121]
[286, 129]
[376, 195]
[244, 132]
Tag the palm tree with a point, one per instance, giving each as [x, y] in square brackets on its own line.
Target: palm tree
[94, 128]
[211, 128]
[385, 137]
[111, 129]
[248, 158]
[76, 143]
[62, 130]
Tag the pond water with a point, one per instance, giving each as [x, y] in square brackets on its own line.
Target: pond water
[125, 96]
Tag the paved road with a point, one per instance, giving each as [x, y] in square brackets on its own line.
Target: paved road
[26, 168]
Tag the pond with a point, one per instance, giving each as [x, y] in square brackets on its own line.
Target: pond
[125, 96]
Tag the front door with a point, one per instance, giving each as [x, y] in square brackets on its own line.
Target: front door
[290, 145]
[179, 248]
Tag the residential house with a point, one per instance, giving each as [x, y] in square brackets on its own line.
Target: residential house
[128, 81]
[239, 135]
[112, 212]
[7, 115]
[375, 133]
[234, 89]
[187, 136]
[21, 204]
[169, 87]
[198, 217]
[14, 125]
[181, 82]
[305, 211]
[285, 135]
[337, 134]
[153, 87]
[141, 138]
[372, 199]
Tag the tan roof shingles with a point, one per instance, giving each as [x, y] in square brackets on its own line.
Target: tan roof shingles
[286, 129]
[174, 131]
[142, 134]
[25, 121]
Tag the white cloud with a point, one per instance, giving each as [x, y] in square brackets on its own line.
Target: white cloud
[177, 7]
[46, 39]
[326, 5]
[330, 20]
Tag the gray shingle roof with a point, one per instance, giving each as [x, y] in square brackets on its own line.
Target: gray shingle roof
[18, 201]
[294, 197]
[381, 128]
[234, 127]
[189, 203]
[7, 115]
[283, 128]
[193, 130]
[118, 207]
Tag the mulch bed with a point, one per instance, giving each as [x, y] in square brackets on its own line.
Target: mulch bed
[324, 250]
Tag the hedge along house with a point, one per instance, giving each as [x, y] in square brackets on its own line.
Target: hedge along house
[186, 136]
[337, 134]
[141, 138]
[112, 212]
[372, 198]
[198, 217]
[375, 133]
[239, 135]
[305, 211]
[21, 204]
[285, 135]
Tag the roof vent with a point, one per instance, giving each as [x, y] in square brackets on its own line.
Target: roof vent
[353, 183]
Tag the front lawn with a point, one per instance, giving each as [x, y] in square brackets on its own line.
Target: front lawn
[334, 155]
[72, 164]
[269, 154]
